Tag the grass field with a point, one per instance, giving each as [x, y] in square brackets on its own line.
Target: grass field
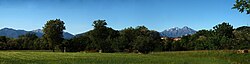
[179, 57]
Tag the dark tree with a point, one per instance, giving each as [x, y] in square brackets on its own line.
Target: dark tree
[242, 6]
[53, 32]
[127, 35]
[146, 40]
[77, 43]
[120, 44]
[144, 44]
[99, 24]
[242, 36]
[27, 40]
[3, 42]
[101, 36]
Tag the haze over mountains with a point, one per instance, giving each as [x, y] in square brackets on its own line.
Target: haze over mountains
[177, 32]
[13, 33]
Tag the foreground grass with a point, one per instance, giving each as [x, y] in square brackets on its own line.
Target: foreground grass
[181, 57]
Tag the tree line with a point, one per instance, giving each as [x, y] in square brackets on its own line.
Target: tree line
[132, 39]
[222, 37]
[138, 39]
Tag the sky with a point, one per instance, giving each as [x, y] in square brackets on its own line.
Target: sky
[159, 15]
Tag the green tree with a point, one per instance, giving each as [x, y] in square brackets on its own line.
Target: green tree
[201, 40]
[101, 36]
[224, 29]
[27, 40]
[200, 43]
[3, 42]
[144, 44]
[166, 44]
[242, 5]
[146, 40]
[53, 32]
[90, 45]
[77, 43]
[242, 36]
[99, 24]
[226, 43]
[185, 40]
[224, 34]
[41, 44]
[127, 35]
[176, 46]
[120, 44]
[4, 39]
[13, 44]
[206, 33]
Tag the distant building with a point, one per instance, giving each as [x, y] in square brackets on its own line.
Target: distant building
[164, 38]
[176, 39]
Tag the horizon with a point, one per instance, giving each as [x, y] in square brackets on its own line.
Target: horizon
[158, 15]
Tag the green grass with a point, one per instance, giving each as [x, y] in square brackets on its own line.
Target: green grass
[179, 57]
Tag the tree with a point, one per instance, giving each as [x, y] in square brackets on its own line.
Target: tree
[4, 39]
[144, 44]
[127, 35]
[242, 36]
[146, 40]
[226, 43]
[13, 44]
[53, 32]
[201, 40]
[120, 44]
[90, 45]
[205, 33]
[3, 42]
[242, 5]
[27, 40]
[176, 46]
[166, 43]
[185, 40]
[77, 43]
[200, 43]
[101, 36]
[99, 24]
[224, 34]
[41, 44]
[224, 29]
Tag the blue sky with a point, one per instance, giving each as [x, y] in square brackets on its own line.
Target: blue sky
[158, 15]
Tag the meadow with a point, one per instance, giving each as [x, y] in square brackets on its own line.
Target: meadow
[175, 57]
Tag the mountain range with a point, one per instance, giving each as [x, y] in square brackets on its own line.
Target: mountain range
[177, 32]
[172, 32]
[13, 33]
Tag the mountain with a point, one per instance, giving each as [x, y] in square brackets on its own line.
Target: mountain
[9, 32]
[12, 33]
[78, 35]
[177, 32]
[39, 33]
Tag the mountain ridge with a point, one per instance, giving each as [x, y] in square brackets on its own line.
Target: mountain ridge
[177, 32]
[14, 33]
